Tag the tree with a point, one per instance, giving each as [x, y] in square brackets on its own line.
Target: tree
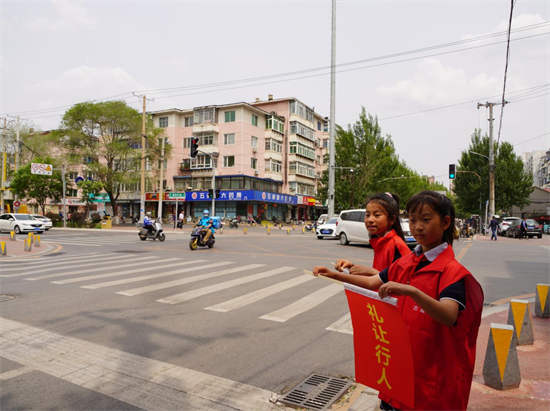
[89, 189]
[375, 163]
[38, 188]
[106, 137]
[512, 184]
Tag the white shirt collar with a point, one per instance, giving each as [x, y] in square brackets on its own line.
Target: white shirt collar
[433, 253]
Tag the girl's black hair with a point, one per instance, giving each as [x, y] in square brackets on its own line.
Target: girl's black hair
[390, 202]
[440, 204]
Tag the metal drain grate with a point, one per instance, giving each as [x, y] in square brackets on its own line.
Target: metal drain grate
[316, 392]
[131, 251]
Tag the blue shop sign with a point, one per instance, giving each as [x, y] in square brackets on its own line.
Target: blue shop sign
[243, 195]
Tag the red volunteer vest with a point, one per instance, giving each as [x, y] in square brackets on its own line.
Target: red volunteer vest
[443, 357]
[384, 249]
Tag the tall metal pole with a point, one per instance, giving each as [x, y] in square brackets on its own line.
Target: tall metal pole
[142, 193]
[4, 164]
[491, 164]
[159, 213]
[17, 153]
[332, 124]
[214, 159]
[64, 196]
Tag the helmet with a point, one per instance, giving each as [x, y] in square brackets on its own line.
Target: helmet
[205, 212]
[148, 214]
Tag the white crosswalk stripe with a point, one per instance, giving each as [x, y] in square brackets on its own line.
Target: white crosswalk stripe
[109, 266]
[343, 325]
[94, 241]
[189, 280]
[303, 304]
[178, 298]
[42, 262]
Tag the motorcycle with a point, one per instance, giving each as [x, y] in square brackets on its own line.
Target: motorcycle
[309, 227]
[197, 239]
[156, 234]
[234, 223]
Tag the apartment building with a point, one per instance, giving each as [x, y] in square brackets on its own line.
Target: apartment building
[531, 164]
[270, 158]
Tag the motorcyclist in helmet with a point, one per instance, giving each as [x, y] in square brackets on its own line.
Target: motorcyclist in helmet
[207, 225]
[148, 222]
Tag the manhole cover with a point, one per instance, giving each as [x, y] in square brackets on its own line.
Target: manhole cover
[131, 251]
[5, 297]
[316, 392]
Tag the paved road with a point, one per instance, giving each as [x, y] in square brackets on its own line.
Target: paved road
[243, 311]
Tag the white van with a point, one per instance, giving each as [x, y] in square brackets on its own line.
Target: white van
[350, 228]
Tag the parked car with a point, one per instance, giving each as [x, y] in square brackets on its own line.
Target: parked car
[45, 220]
[322, 219]
[20, 223]
[350, 227]
[533, 229]
[327, 230]
[505, 223]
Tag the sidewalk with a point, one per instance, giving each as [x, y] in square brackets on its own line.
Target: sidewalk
[17, 248]
[533, 393]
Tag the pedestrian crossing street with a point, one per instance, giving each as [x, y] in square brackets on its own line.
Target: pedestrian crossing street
[93, 241]
[94, 271]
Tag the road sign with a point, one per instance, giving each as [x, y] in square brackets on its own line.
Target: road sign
[78, 180]
[42, 169]
[176, 195]
[16, 204]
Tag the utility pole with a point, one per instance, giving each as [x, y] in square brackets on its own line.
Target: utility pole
[4, 164]
[64, 195]
[142, 186]
[214, 159]
[491, 156]
[159, 213]
[332, 124]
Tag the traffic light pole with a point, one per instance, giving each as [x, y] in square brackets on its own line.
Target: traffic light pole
[214, 159]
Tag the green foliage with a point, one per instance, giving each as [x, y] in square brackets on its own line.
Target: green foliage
[107, 137]
[54, 217]
[37, 189]
[376, 166]
[512, 184]
[89, 190]
[96, 218]
[78, 219]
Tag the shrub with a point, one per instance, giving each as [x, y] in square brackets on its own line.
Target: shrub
[54, 217]
[78, 219]
[96, 218]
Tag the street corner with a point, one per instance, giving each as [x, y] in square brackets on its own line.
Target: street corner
[24, 246]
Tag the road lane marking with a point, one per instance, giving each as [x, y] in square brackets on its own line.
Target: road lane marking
[258, 295]
[463, 252]
[304, 304]
[169, 284]
[89, 262]
[508, 299]
[93, 270]
[343, 325]
[14, 373]
[29, 264]
[145, 277]
[189, 295]
[142, 382]
[118, 273]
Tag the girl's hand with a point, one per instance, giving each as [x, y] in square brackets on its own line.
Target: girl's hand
[318, 270]
[393, 288]
[341, 264]
[363, 270]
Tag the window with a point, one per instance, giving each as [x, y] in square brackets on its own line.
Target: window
[325, 143]
[165, 166]
[297, 167]
[186, 142]
[205, 116]
[274, 123]
[229, 139]
[357, 216]
[302, 110]
[206, 140]
[319, 125]
[273, 166]
[70, 192]
[201, 162]
[302, 150]
[254, 120]
[254, 163]
[163, 122]
[319, 160]
[230, 116]
[254, 143]
[273, 145]
[188, 121]
[229, 161]
[301, 130]
[72, 175]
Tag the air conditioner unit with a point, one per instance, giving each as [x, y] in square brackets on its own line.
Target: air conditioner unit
[256, 173]
[254, 149]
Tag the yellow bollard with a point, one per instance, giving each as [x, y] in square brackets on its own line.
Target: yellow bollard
[245, 231]
[12, 236]
[288, 230]
[37, 241]
[268, 231]
[28, 244]
[294, 226]
[542, 301]
[3, 248]
[31, 237]
[303, 230]
[280, 227]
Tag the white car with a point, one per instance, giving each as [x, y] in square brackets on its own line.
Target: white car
[20, 223]
[44, 220]
[505, 223]
[327, 230]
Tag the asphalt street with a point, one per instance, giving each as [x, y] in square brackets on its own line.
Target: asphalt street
[242, 312]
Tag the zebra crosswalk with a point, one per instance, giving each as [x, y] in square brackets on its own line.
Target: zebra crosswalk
[92, 270]
[91, 241]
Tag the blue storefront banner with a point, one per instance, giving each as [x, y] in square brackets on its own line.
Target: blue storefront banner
[243, 195]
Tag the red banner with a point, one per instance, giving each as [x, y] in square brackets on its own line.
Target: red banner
[383, 355]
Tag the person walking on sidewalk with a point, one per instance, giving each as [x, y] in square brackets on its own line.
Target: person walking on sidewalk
[523, 229]
[493, 225]
[441, 305]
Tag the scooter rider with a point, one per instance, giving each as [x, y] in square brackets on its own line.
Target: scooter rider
[148, 223]
[207, 225]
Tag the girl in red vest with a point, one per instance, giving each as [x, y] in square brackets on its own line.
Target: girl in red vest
[387, 240]
[440, 302]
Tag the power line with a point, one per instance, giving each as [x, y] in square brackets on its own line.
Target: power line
[503, 103]
[531, 139]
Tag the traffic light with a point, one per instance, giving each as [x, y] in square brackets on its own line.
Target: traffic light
[194, 147]
[210, 193]
[218, 193]
[452, 171]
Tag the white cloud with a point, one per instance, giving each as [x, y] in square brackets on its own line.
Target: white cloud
[522, 20]
[434, 84]
[68, 17]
